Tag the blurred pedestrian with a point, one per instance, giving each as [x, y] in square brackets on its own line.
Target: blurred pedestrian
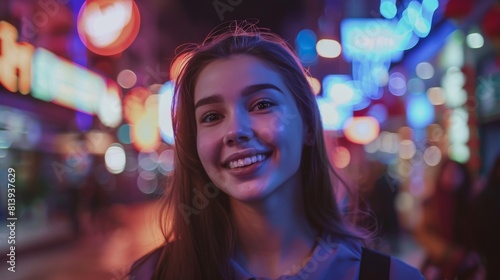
[445, 230]
[487, 223]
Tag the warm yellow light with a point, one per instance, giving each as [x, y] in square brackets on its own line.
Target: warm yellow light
[315, 85]
[361, 130]
[15, 60]
[341, 157]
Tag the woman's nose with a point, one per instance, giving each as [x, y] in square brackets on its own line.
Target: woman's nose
[239, 130]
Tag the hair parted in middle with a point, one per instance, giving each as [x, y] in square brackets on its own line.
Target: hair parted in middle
[204, 236]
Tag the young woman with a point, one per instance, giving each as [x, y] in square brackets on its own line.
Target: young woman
[251, 195]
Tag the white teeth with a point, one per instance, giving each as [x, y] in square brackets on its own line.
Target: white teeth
[246, 161]
[254, 159]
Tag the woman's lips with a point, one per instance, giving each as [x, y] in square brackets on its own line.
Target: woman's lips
[248, 169]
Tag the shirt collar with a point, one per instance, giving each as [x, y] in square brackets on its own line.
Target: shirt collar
[327, 251]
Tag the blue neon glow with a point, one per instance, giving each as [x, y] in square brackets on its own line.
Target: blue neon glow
[306, 39]
[419, 111]
[430, 5]
[342, 90]
[379, 112]
[333, 117]
[372, 39]
[306, 47]
[123, 134]
[165, 95]
[83, 121]
[388, 8]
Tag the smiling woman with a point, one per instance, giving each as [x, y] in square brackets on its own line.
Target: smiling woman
[251, 195]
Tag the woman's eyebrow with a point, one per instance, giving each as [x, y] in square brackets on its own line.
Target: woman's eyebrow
[217, 98]
[258, 87]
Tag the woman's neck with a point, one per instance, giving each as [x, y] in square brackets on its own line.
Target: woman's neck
[273, 235]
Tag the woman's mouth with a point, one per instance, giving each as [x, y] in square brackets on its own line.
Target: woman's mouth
[247, 161]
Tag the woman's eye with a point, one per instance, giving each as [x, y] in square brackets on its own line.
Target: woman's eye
[210, 117]
[263, 104]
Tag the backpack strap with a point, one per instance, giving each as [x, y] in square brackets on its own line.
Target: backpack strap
[374, 265]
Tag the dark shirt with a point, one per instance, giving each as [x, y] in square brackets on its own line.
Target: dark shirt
[331, 257]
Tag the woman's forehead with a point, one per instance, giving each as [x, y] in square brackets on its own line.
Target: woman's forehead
[233, 74]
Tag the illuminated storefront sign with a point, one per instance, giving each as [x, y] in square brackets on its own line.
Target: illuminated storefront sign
[372, 39]
[54, 79]
[15, 60]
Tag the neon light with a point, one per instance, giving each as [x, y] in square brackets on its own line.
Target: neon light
[475, 40]
[54, 79]
[165, 95]
[388, 8]
[341, 157]
[341, 90]
[108, 27]
[315, 85]
[115, 158]
[420, 112]
[306, 39]
[64, 83]
[123, 134]
[332, 116]
[178, 64]
[372, 39]
[15, 60]
[306, 46]
[145, 134]
[397, 84]
[328, 48]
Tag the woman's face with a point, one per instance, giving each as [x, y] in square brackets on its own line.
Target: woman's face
[249, 131]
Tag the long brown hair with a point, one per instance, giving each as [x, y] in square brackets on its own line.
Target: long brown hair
[195, 214]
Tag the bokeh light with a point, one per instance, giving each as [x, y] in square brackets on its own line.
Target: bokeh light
[126, 78]
[436, 95]
[389, 142]
[432, 156]
[341, 157]
[459, 152]
[420, 112]
[115, 158]
[361, 130]
[315, 84]
[110, 107]
[123, 134]
[147, 182]
[474, 40]
[108, 27]
[328, 48]
[407, 149]
[397, 84]
[148, 160]
[178, 64]
[166, 161]
[424, 70]
[165, 95]
[404, 202]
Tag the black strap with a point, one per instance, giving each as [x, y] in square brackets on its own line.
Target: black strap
[374, 265]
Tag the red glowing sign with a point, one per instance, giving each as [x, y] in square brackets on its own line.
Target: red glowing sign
[108, 27]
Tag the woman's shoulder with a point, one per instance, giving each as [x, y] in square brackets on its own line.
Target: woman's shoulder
[144, 267]
[343, 257]
[402, 270]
